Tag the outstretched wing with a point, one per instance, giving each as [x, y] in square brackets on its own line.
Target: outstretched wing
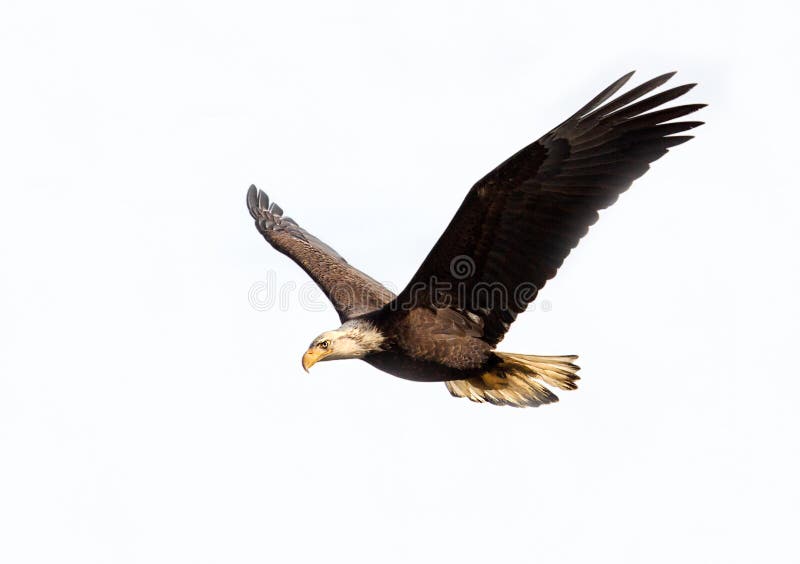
[351, 291]
[520, 221]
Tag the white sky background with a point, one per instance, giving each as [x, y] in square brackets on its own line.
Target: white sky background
[149, 414]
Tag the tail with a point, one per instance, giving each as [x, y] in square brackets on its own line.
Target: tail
[518, 380]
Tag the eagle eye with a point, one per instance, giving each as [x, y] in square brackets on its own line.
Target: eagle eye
[324, 344]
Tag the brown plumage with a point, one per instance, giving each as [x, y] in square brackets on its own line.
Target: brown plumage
[509, 237]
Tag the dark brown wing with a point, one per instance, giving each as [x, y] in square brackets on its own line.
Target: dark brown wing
[351, 291]
[520, 221]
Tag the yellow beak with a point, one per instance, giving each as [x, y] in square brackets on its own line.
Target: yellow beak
[313, 356]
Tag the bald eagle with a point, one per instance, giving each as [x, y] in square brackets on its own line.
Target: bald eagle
[510, 236]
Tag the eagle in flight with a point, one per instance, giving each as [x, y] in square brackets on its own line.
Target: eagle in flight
[510, 235]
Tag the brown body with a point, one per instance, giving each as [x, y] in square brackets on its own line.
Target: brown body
[430, 345]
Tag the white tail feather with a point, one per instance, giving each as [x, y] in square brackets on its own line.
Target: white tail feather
[518, 380]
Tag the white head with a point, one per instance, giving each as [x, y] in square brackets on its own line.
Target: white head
[355, 339]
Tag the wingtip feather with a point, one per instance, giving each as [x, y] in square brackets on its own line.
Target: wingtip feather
[675, 140]
[259, 205]
[609, 91]
[252, 201]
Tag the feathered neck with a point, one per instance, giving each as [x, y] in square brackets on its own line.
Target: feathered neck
[364, 335]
